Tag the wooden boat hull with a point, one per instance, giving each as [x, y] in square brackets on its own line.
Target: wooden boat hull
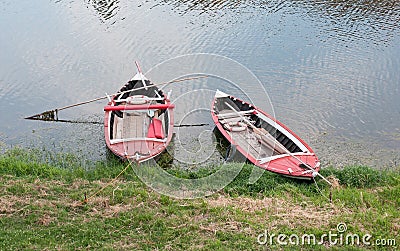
[138, 125]
[263, 140]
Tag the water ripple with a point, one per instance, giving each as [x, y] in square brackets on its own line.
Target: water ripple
[106, 9]
[356, 19]
[329, 66]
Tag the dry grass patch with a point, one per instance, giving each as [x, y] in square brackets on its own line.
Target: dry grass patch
[334, 181]
[45, 220]
[79, 183]
[242, 203]
[279, 211]
[227, 226]
[124, 244]
[101, 207]
[10, 204]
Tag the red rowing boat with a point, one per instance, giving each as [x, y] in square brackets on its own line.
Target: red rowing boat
[262, 139]
[138, 122]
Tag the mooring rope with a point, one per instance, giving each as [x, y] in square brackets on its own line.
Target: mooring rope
[52, 115]
[104, 187]
[323, 195]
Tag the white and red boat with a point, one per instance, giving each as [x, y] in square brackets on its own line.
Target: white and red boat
[138, 121]
[262, 139]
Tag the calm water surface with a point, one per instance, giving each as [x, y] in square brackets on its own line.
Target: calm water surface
[330, 68]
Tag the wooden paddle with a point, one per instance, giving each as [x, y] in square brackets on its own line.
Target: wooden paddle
[52, 115]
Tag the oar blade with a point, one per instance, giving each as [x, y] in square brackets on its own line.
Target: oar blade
[45, 116]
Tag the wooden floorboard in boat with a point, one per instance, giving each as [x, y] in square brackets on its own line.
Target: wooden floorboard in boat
[134, 125]
[248, 141]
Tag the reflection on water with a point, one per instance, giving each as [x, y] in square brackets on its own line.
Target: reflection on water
[367, 19]
[349, 19]
[329, 67]
[105, 8]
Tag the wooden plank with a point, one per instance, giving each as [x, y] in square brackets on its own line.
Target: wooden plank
[117, 128]
[247, 141]
[115, 141]
[235, 119]
[233, 114]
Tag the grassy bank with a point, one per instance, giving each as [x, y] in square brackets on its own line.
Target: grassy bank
[41, 208]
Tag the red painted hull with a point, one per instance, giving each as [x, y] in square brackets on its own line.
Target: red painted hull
[283, 164]
[137, 107]
[154, 135]
[152, 148]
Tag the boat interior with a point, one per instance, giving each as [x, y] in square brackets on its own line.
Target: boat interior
[141, 125]
[249, 129]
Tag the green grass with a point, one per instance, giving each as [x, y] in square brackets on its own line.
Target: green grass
[41, 207]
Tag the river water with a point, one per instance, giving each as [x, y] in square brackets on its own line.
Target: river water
[329, 70]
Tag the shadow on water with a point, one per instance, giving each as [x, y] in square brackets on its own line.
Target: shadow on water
[227, 150]
[224, 153]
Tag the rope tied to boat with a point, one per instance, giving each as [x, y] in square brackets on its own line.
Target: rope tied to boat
[52, 115]
[323, 195]
[86, 200]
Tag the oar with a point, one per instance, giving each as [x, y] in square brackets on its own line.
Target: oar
[52, 115]
[277, 142]
[191, 125]
[71, 121]
[140, 74]
[100, 123]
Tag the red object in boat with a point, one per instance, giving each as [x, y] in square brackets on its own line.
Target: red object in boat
[155, 129]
